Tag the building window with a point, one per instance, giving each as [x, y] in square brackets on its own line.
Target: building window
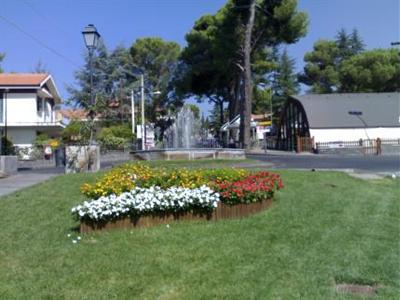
[39, 104]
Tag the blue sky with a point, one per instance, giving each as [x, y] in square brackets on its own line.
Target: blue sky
[58, 24]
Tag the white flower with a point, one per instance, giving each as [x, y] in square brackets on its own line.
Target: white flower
[74, 241]
[147, 200]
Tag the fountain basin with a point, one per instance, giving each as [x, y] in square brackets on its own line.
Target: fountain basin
[189, 154]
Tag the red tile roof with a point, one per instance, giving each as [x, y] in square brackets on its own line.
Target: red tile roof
[22, 79]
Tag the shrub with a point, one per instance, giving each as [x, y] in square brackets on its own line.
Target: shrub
[115, 137]
[76, 132]
[7, 146]
[191, 178]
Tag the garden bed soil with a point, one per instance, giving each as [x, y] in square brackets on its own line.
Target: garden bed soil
[223, 211]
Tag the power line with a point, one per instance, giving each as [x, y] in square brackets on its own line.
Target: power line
[39, 42]
[44, 18]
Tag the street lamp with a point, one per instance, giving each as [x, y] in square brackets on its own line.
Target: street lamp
[358, 114]
[91, 38]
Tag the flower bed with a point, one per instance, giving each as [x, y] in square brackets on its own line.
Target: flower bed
[148, 200]
[136, 195]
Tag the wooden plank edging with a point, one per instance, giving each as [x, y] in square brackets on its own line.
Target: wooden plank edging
[223, 211]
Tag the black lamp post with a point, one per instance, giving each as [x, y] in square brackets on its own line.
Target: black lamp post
[358, 114]
[91, 38]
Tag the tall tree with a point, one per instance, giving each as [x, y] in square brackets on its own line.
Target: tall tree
[159, 61]
[321, 70]
[356, 43]
[80, 92]
[217, 47]
[371, 71]
[245, 113]
[286, 80]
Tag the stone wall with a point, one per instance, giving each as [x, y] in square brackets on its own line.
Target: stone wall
[8, 164]
[80, 159]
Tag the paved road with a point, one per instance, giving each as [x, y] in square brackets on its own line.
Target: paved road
[374, 164]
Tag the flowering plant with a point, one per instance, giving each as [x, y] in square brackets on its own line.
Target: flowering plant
[118, 180]
[147, 200]
[252, 188]
[191, 178]
[126, 177]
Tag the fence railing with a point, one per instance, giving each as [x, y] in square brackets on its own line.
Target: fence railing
[363, 146]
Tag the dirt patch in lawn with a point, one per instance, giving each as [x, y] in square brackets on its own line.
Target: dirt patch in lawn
[356, 289]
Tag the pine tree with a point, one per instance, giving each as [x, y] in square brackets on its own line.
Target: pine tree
[343, 42]
[286, 82]
[356, 43]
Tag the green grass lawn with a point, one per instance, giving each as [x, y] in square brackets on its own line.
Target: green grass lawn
[323, 228]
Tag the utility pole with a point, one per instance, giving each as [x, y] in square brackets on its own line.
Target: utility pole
[142, 100]
[133, 111]
[5, 150]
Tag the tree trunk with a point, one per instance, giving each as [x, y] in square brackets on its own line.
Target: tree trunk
[234, 97]
[245, 114]
[221, 111]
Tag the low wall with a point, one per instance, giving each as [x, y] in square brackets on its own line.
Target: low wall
[8, 164]
[116, 155]
[223, 211]
[37, 163]
[190, 154]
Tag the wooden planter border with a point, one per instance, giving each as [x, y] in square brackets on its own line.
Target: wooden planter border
[223, 211]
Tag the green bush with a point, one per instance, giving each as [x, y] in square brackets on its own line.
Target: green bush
[77, 132]
[117, 136]
[7, 147]
[121, 131]
[112, 142]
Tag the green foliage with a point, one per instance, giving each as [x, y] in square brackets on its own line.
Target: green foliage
[7, 146]
[371, 71]
[285, 81]
[195, 110]
[76, 132]
[122, 131]
[158, 59]
[344, 66]
[117, 136]
[41, 140]
[262, 98]
[212, 63]
[320, 70]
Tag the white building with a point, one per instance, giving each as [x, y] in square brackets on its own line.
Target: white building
[336, 118]
[27, 107]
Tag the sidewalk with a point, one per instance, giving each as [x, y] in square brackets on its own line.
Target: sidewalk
[22, 180]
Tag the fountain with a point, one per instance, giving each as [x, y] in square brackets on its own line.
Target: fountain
[184, 132]
[182, 140]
